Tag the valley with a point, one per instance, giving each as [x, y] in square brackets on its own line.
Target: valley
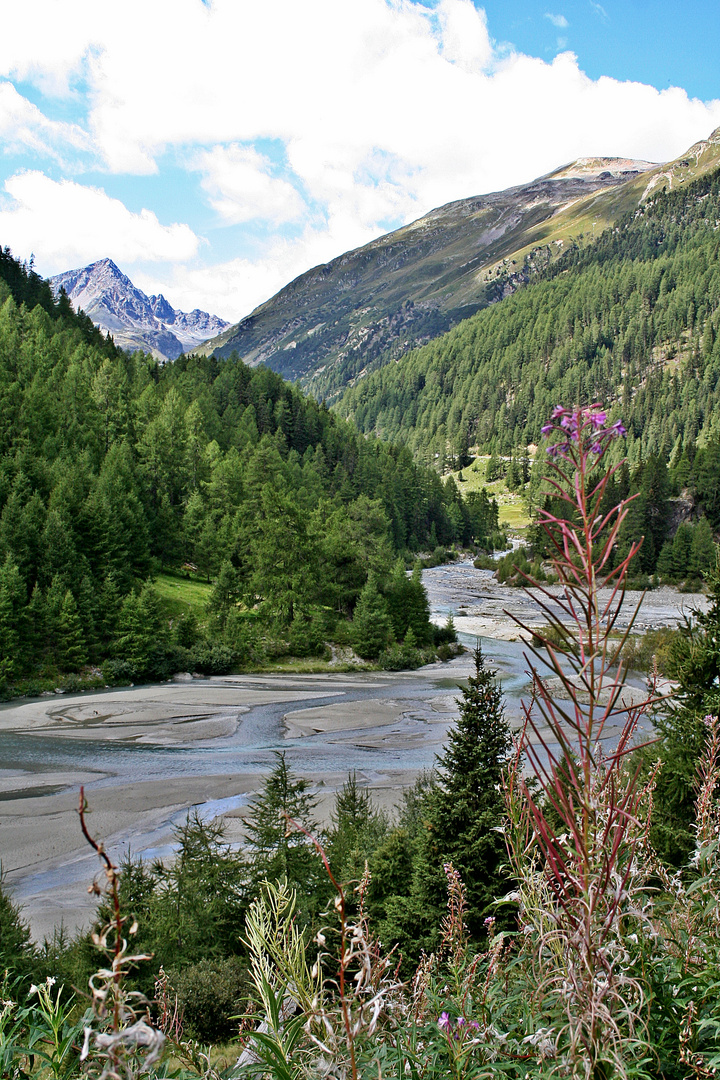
[146, 755]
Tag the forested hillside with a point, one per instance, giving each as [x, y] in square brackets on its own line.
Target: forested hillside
[113, 467]
[630, 320]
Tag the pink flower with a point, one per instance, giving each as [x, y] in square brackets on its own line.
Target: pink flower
[547, 429]
[444, 1021]
[558, 411]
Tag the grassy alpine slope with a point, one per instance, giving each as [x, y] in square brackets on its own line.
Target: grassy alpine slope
[630, 319]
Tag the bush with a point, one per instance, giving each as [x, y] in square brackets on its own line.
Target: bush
[656, 645]
[444, 635]
[211, 659]
[211, 994]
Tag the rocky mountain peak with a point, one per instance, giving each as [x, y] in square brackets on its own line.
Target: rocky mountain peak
[135, 320]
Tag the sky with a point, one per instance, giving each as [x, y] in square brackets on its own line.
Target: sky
[215, 149]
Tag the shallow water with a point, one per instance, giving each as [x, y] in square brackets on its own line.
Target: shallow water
[411, 713]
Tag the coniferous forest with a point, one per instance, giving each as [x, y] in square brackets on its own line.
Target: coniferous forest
[630, 319]
[536, 907]
[114, 468]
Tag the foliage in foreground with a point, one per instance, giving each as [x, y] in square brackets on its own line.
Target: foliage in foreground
[611, 962]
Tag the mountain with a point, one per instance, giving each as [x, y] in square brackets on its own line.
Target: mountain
[412, 284]
[631, 319]
[375, 303]
[136, 321]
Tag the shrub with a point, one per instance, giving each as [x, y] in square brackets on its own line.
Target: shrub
[211, 994]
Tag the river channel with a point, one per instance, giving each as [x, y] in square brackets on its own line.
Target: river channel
[147, 754]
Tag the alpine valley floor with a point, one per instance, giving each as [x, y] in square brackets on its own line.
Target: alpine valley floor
[147, 754]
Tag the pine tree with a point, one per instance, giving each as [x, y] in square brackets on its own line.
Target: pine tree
[466, 807]
[696, 663]
[371, 623]
[357, 829]
[72, 652]
[278, 850]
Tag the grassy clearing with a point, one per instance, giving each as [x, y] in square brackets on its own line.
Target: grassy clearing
[181, 594]
[511, 505]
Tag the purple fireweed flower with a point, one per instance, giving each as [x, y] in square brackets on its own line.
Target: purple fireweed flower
[558, 411]
[444, 1021]
[618, 429]
[547, 429]
[597, 448]
[597, 419]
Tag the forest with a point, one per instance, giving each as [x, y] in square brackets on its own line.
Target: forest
[114, 469]
[535, 907]
[630, 319]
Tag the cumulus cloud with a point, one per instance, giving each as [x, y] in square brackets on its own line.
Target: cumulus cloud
[241, 186]
[23, 127]
[67, 224]
[384, 108]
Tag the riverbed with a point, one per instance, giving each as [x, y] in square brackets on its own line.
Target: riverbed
[147, 754]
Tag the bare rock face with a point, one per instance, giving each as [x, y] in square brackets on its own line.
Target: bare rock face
[136, 321]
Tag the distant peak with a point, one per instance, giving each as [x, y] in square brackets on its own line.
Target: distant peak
[586, 167]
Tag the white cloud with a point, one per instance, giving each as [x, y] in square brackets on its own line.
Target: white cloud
[385, 109]
[241, 186]
[557, 20]
[23, 127]
[67, 224]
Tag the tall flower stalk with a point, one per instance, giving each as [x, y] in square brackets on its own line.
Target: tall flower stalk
[577, 835]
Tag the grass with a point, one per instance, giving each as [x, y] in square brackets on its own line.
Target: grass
[182, 594]
[511, 505]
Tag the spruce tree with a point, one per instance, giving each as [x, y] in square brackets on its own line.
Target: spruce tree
[17, 952]
[371, 623]
[72, 651]
[356, 831]
[277, 850]
[466, 808]
[696, 666]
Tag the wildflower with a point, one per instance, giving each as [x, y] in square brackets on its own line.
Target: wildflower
[558, 411]
[444, 1021]
[618, 429]
[547, 429]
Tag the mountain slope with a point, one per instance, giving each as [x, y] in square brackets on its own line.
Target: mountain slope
[377, 302]
[412, 284]
[135, 320]
[633, 318]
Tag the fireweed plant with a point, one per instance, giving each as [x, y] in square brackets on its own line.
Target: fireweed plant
[578, 838]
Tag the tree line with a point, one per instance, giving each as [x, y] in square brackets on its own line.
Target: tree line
[114, 468]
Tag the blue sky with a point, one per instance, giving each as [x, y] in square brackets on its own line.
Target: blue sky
[215, 150]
